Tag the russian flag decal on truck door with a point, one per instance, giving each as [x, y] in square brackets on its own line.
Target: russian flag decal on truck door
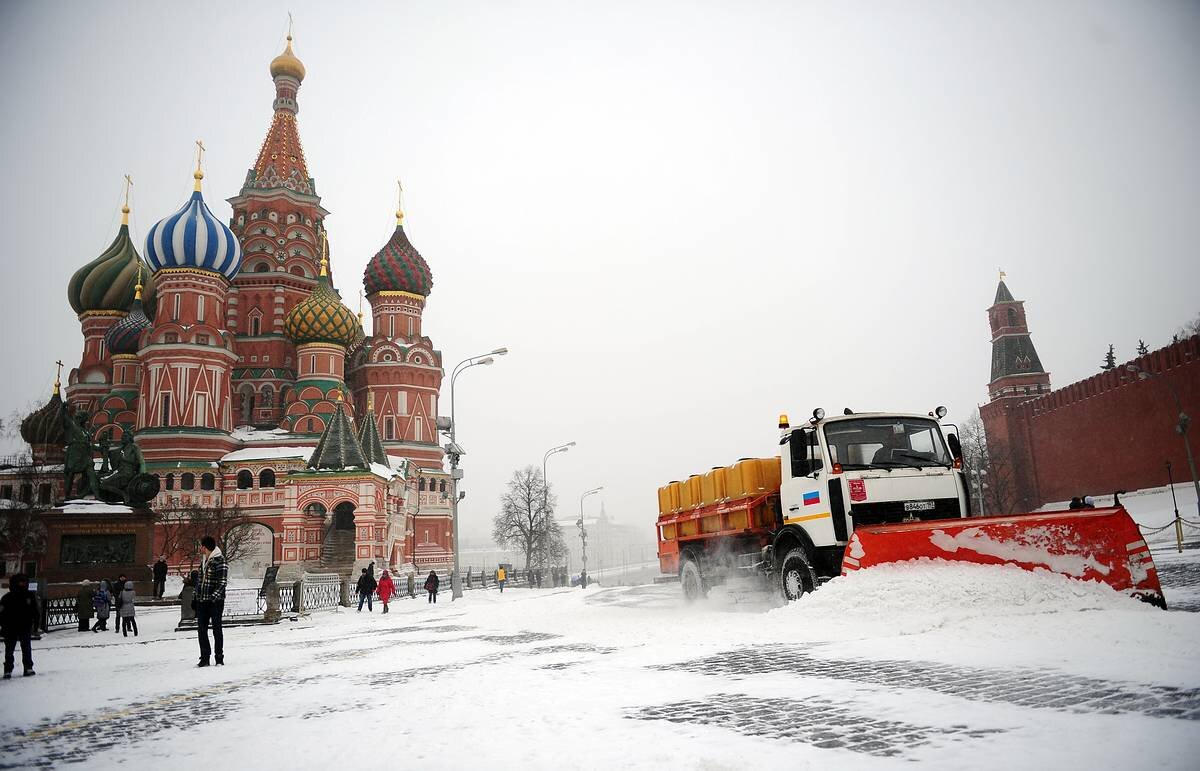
[813, 498]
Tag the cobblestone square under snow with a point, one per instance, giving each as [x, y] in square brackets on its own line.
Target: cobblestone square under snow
[950, 664]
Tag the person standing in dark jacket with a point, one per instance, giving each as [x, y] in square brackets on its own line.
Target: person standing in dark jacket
[18, 615]
[101, 601]
[210, 600]
[431, 585]
[128, 611]
[83, 606]
[117, 586]
[366, 587]
[160, 578]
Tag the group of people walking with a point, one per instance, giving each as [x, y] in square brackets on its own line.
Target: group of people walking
[385, 588]
[116, 597]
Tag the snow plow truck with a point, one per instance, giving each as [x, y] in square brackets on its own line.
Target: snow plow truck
[853, 491]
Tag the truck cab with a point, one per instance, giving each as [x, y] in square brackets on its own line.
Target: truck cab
[861, 469]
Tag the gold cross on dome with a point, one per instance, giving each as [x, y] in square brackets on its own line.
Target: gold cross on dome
[128, 184]
[1003, 275]
[199, 153]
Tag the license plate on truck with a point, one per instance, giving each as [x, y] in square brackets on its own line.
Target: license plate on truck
[918, 506]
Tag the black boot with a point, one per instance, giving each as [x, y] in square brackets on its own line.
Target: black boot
[203, 663]
[29, 673]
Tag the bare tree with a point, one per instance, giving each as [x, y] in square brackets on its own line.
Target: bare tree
[1189, 329]
[23, 533]
[526, 520]
[180, 530]
[996, 487]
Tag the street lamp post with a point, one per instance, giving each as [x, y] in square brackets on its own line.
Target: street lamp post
[1181, 426]
[455, 452]
[978, 475]
[546, 480]
[583, 536]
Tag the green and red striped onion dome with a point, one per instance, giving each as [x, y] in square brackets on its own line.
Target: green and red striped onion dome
[107, 282]
[321, 318]
[398, 267]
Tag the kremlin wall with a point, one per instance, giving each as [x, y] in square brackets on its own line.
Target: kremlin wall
[1112, 431]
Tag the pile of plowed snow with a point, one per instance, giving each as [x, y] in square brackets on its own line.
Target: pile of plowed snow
[961, 589]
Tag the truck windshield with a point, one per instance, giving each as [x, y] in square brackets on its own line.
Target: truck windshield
[886, 442]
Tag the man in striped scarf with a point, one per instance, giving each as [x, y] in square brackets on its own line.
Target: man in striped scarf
[210, 600]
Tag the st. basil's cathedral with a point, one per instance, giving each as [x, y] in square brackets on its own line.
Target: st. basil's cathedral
[228, 354]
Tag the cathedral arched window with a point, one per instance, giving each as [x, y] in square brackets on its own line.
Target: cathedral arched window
[187, 482]
[268, 396]
[442, 486]
[208, 482]
[1012, 317]
[315, 509]
[262, 267]
[266, 478]
[421, 485]
[170, 480]
[245, 480]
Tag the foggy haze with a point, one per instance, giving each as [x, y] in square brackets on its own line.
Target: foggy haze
[681, 218]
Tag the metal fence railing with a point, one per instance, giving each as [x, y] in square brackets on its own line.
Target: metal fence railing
[319, 591]
[59, 613]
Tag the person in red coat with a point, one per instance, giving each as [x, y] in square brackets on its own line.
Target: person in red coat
[386, 589]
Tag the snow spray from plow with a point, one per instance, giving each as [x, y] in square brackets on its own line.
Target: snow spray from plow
[1091, 545]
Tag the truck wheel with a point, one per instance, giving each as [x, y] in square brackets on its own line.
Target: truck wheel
[796, 576]
[691, 579]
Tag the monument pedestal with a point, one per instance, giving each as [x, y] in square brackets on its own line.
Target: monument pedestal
[92, 540]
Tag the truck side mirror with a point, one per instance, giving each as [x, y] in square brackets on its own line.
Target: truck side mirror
[955, 446]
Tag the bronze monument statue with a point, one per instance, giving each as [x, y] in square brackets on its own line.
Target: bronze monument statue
[125, 480]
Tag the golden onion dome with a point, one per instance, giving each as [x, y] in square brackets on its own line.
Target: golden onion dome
[287, 63]
[321, 317]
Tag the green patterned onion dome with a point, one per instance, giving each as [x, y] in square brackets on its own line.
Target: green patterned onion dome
[107, 282]
[45, 426]
[398, 267]
[321, 318]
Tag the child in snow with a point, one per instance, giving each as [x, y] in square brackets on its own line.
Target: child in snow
[125, 611]
[101, 601]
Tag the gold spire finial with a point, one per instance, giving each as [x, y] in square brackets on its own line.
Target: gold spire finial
[58, 377]
[370, 401]
[324, 253]
[399, 203]
[1002, 274]
[137, 289]
[198, 175]
[360, 315]
[289, 26]
[339, 396]
[125, 206]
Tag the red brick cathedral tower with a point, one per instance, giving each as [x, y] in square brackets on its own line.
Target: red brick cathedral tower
[277, 218]
[398, 367]
[1017, 377]
[184, 409]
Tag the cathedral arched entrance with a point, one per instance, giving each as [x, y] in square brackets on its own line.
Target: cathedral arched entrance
[343, 516]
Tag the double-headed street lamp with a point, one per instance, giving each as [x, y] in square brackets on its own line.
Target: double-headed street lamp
[455, 452]
[553, 451]
[1181, 426]
[583, 535]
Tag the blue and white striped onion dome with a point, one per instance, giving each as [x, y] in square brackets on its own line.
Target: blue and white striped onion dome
[193, 238]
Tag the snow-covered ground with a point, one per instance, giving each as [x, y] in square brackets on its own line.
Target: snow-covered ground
[955, 665]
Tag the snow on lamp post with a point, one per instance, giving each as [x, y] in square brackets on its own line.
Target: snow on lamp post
[456, 452]
[1181, 425]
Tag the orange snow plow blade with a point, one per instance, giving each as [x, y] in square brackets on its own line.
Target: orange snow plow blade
[1089, 545]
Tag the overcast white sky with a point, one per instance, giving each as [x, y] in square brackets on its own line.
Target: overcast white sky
[681, 218]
